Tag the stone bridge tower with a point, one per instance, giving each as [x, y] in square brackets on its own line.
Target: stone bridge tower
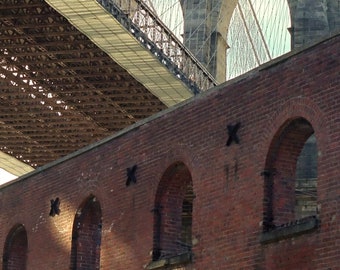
[206, 25]
[313, 19]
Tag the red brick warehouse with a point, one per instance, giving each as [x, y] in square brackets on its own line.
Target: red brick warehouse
[208, 184]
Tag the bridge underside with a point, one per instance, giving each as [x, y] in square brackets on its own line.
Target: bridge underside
[59, 91]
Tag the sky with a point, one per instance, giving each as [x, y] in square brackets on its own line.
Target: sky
[6, 176]
[274, 21]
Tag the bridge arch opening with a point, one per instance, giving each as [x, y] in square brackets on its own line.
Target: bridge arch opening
[258, 32]
[229, 37]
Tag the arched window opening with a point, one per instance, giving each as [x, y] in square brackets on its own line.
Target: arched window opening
[173, 215]
[86, 236]
[306, 180]
[15, 251]
[291, 176]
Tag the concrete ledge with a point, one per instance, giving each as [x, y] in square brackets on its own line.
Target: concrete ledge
[290, 230]
[175, 260]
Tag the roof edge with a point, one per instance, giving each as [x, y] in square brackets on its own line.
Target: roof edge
[202, 95]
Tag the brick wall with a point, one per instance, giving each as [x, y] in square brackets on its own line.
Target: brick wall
[229, 185]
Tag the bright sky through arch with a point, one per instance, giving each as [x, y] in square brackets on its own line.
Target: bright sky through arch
[256, 40]
[249, 46]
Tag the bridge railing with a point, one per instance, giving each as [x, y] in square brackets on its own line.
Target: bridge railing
[138, 18]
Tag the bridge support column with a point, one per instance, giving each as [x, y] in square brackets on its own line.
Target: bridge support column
[202, 36]
[311, 20]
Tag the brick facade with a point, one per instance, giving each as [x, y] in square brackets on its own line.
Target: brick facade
[236, 196]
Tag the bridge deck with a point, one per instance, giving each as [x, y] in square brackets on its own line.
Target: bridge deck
[60, 91]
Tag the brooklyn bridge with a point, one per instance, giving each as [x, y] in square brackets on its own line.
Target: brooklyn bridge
[174, 135]
[75, 72]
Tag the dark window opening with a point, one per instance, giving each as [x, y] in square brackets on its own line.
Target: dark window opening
[15, 251]
[186, 229]
[173, 216]
[291, 179]
[306, 180]
[86, 236]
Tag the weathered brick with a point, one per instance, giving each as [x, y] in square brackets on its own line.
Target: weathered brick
[228, 208]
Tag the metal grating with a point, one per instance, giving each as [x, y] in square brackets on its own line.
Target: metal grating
[58, 91]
